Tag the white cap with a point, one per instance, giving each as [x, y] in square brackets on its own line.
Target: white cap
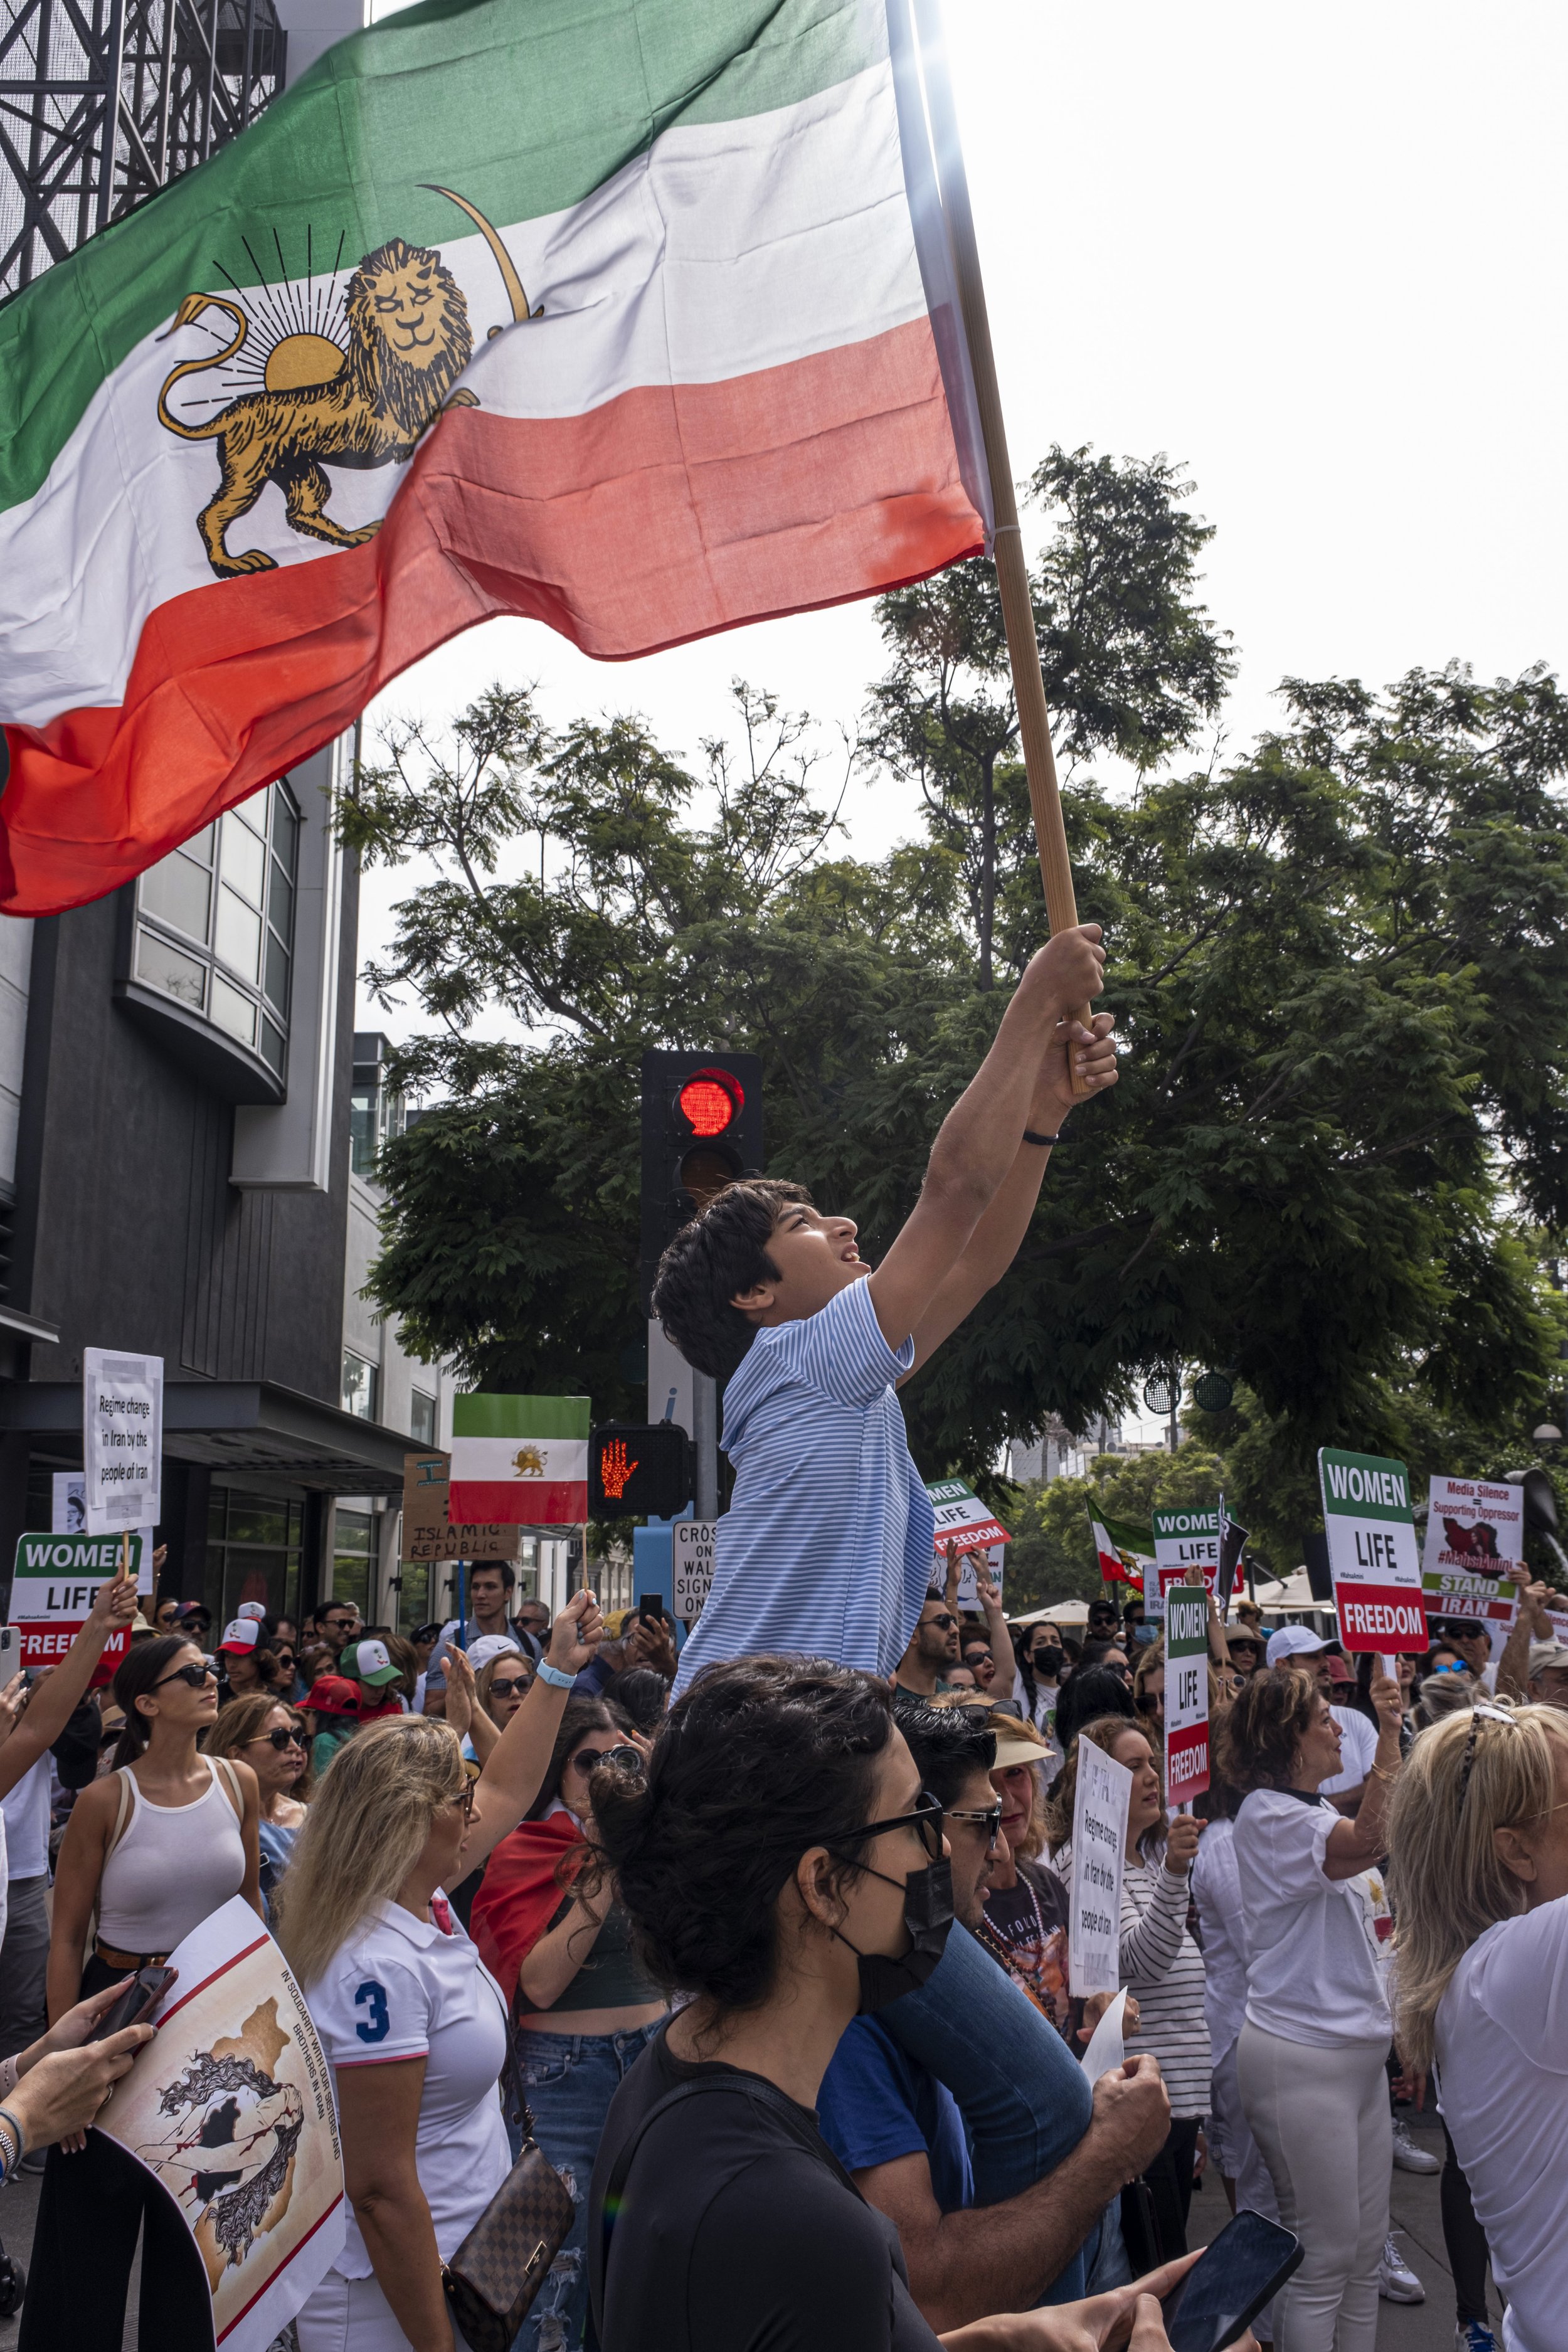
[492, 1645]
[243, 1634]
[255, 1609]
[1293, 1642]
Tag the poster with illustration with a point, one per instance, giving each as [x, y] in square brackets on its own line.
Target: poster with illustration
[231, 2109]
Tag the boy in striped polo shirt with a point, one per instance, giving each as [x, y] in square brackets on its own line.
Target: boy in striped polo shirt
[829, 1544]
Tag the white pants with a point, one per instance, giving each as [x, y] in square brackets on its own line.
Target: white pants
[1235, 2152]
[347, 2315]
[1320, 2119]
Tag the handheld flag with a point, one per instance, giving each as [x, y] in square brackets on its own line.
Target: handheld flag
[520, 1460]
[1114, 1567]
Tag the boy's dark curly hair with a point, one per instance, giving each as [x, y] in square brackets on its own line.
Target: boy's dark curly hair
[761, 1759]
[1257, 1738]
[723, 1251]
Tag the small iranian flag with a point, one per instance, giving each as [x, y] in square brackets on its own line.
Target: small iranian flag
[521, 1460]
[637, 320]
[1113, 1569]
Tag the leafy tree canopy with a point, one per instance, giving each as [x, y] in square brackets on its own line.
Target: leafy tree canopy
[1339, 965]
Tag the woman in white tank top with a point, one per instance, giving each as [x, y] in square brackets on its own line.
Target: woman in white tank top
[156, 1847]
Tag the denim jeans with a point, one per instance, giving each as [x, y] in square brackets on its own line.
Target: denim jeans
[1024, 2099]
[570, 2079]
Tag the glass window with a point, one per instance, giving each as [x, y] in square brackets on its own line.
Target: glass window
[414, 1595]
[362, 1386]
[162, 966]
[253, 1553]
[242, 918]
[422, 1418]
[352, 1559]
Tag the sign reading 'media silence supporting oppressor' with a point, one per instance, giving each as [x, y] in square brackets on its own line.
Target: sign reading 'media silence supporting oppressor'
[1371, 1551]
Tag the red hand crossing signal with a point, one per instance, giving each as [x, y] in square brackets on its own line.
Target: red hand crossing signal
[639, 1470]
[614, 1469]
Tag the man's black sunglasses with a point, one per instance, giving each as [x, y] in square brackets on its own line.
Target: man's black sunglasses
[925, 1821]
[944, 1620]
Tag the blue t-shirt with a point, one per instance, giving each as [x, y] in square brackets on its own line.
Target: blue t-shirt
[878, 2104]
[829, 1543]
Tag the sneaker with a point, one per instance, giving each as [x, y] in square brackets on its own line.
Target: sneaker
[1407, 2155]
[1396, 2281]
[1473, 2335]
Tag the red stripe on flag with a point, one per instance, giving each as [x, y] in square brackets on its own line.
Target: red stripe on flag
[519, 1502]
[669, 513]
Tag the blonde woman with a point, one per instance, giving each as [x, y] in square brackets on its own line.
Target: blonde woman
[414, 2024]
[1480, 1847]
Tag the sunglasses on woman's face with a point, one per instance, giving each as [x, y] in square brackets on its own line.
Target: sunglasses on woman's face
[193, 1677]
[509, 1690]
[588, 1759]
[279, 1740]
[925, 1821]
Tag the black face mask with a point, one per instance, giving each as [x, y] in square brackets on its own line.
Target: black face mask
[928, 1915]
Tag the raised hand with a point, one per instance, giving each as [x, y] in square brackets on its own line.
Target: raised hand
[576, 1634]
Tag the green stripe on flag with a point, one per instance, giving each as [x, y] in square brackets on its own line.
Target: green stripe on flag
[484, 1415]
[1128, 1536]
[523, 109]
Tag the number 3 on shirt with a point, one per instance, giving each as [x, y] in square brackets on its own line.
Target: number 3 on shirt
[377, 2024]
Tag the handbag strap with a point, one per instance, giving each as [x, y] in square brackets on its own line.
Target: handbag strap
[602, 2222]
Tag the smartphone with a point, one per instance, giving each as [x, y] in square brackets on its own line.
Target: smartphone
[650, 1608]
[1229, 2284]
[10, 1650]
[141, 1994]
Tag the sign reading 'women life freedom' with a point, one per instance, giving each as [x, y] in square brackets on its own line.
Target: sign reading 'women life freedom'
[1098, 1839]
[1372, 1557]
[1183, 1540]
[1186, 1693]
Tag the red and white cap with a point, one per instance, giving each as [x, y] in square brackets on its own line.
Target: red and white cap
[242, 1635]
[256, 1609]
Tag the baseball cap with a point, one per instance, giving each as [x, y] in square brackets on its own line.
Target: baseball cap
[1338, 1670]
[1547, 1653]
[1293, 1642]
[241, 1637]
[489, 1646]
[333, 1695]
[255, 1609]
[368, 1662]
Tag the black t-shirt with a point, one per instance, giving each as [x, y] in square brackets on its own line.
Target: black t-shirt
[733, 2235]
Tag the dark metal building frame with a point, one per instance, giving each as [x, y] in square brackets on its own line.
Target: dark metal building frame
[103, 102]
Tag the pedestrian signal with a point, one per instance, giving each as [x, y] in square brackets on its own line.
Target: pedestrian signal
[639, 1470]
[701, 1127]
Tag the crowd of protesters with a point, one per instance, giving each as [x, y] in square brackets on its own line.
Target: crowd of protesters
[763, 1934]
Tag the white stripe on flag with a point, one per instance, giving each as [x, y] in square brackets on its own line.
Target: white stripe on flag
[491, 1459]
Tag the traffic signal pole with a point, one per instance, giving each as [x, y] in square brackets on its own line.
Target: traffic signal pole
[705, 1436]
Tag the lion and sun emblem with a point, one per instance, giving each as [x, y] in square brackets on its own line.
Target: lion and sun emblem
[352, 379]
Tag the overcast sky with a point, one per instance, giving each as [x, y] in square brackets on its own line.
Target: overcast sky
[1315, 255]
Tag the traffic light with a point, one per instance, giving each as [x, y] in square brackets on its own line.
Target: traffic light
[701, 1127]
[639, 1470]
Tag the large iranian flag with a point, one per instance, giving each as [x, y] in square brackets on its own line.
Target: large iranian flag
[632, 316]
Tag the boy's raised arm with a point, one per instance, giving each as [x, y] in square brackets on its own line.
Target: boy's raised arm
[978, 1141]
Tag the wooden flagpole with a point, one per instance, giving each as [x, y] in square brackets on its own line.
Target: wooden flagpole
[1007, 542]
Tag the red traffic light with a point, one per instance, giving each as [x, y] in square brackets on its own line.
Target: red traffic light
[709, 1104]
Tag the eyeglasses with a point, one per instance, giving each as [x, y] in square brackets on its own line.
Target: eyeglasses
[925, 1821]
[193, 1677]
[507, 1690]
[990, 1820]
[279, 1740]
[465, 1797]
[624, 1757]
[1151, 1702]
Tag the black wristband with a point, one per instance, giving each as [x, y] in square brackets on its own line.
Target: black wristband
[1030, 1137]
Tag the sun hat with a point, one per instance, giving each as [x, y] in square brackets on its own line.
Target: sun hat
[1018, 1742]
[367, 1662]
[1293, 1642]
[241, 1637]
[1543, 1654]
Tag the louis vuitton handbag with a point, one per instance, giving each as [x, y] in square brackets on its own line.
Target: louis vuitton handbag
[492, 2278]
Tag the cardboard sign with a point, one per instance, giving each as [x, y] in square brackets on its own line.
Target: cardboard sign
[54, 1584]
[1183, 1540]
[123, 1440]
[1186, 1693]
[1098, 1839]
[426, 1533]
[1371, 1551]
[693, 1555]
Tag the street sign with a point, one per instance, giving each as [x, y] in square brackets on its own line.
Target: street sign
[1371, 1551]
[427, 1533]
[693, 1566]
[1183, 1540]
[54, 1584]
[1186, 1692]
[123, 1440]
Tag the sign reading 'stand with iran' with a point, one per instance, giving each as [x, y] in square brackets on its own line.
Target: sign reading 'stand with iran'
[1371, 1551]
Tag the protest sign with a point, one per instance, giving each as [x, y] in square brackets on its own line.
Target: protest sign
[1099, 1837]
[962, 1519]
[1371, 1551]
[237, 2075]
[1473, 1561]
[693, 1555]
[427, 1533]
[1107, 2050]
[123, 1440]
[1186, 1693]
[53, 1584]
[1183, 1540]
[68, 1515]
